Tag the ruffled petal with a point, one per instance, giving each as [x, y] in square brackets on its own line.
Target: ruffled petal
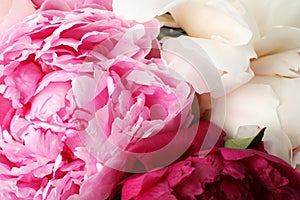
[68, 5]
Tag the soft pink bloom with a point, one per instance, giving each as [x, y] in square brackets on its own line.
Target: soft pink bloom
[52, 43]
[69, 5]
[71, 81]
[133, 100]
[13, 11]
[222, 174]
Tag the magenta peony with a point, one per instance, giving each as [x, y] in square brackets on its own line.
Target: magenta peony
[222, 174]
[77, 90]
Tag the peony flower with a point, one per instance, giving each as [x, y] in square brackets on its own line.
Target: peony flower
[222, 174]
[132, 100]
[69, 5]
[269, 98]
[13, 11]
[41, 153]
[66, 42]
[79, 90]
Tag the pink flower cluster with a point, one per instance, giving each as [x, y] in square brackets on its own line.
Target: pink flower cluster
[73, 85]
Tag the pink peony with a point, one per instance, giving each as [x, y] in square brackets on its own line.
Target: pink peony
[68, 5]
[222, 174]
[132, 100]
[76, 89]
[52, 43]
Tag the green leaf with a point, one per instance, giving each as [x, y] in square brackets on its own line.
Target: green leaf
[244, 143]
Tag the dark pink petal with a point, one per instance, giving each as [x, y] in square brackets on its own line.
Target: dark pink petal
[137, 185]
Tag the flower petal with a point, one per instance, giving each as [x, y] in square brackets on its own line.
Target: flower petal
[257, 104]
[289, 38]
[278, 12]
[150, 8]
[18, 10]
[193, 16]
[232, 62]
[285, 64]
[68, 5]
[289, 108]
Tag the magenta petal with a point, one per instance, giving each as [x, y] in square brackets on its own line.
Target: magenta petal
[139, 184]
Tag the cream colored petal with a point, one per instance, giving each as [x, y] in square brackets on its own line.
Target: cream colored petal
[18, 10]
[256, 104]
[287, 91]
[278, 39]
[269, 13]
[191, 63]
[5, 7]
[213, 19]
[142, 10]
[284, 64]
[227, 58]
[167, 20]
[232, 62]
[296, 160]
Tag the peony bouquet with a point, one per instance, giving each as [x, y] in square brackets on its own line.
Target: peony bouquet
[134, 99]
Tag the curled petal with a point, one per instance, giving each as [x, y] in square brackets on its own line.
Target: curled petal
[285, 64]
[49, 101]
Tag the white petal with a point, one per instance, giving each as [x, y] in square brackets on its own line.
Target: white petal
[296, 160]
[213, 19]
[256, 104]
[289, 109]
[278, 39]
[142, 10]
[192, 64]
[231, 61]
[247, 131]
[270, 13]
[284, 64]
